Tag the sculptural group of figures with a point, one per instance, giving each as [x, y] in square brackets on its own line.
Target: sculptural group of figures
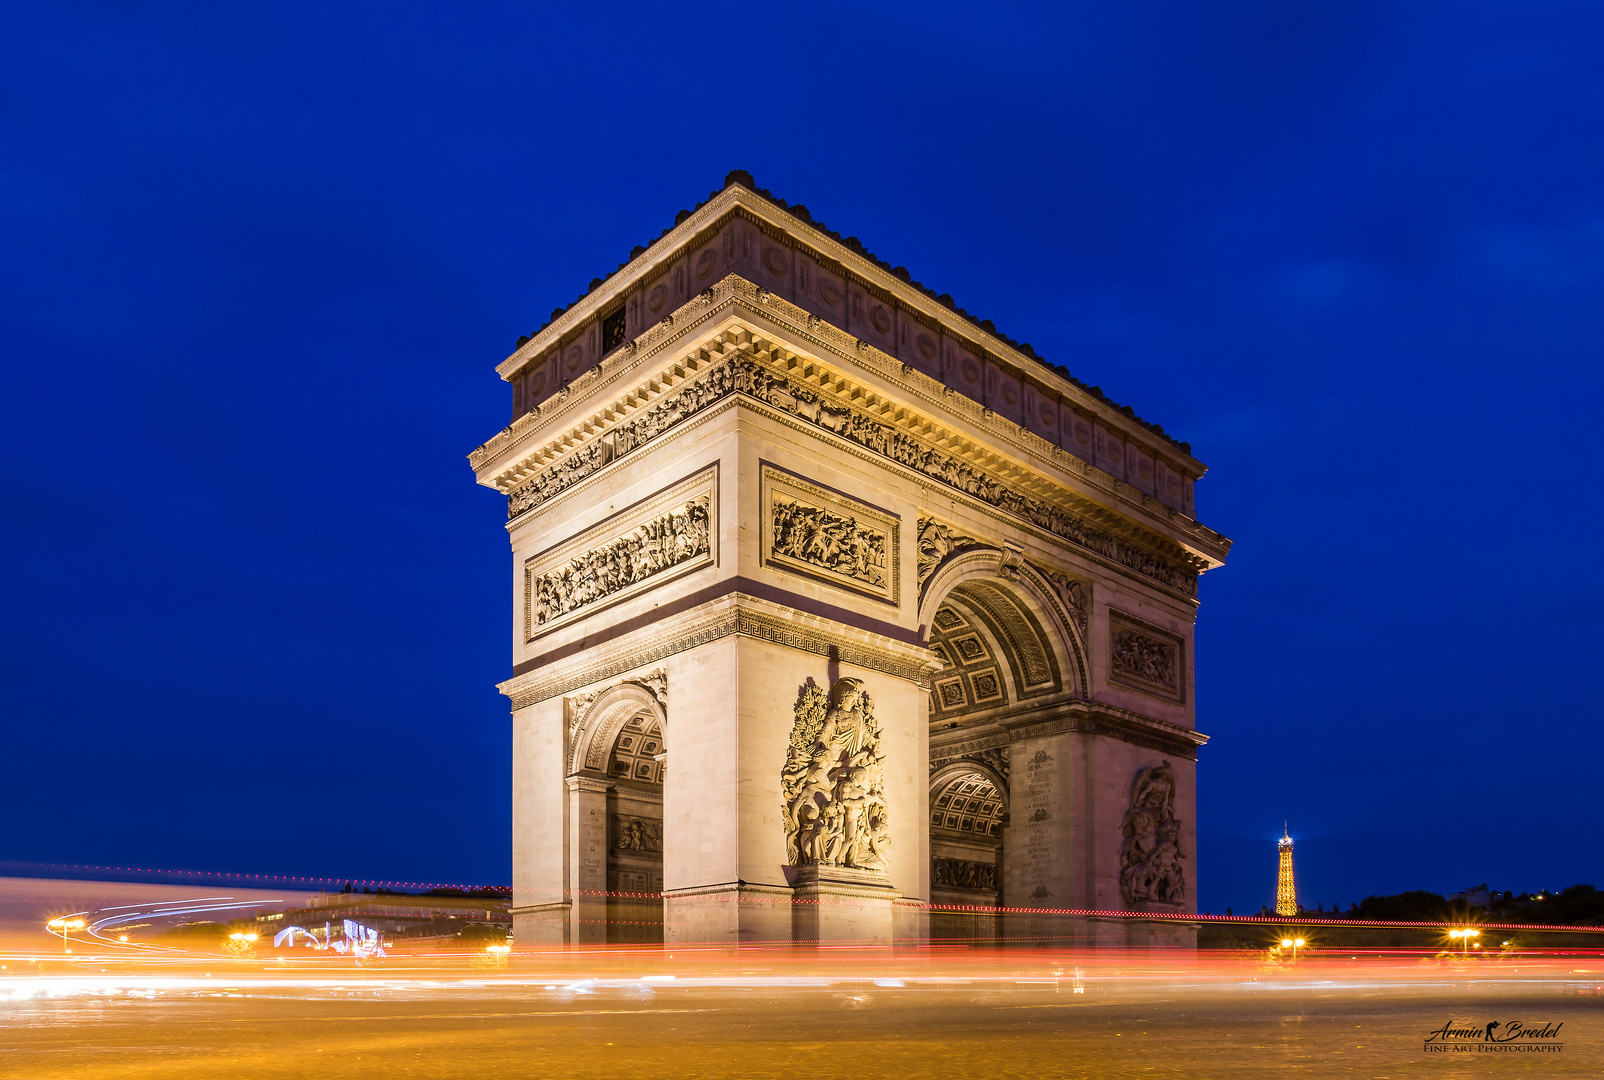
[1150, 856]
[1144, 657]
[830, 541]
[963, 873]
[653, 546]
[834, 781]
[637, 834]
[746, 376]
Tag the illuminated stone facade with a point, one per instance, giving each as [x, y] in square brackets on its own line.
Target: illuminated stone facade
[824, 592]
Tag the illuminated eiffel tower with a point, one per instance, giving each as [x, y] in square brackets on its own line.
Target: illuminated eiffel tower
[1286, 894]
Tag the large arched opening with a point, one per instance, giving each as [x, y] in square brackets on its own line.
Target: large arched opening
[1004, 634]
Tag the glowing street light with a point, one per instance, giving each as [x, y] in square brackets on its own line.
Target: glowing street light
[64, 927]
[1464, 936]
[1294, 944]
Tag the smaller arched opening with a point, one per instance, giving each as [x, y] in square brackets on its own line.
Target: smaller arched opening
[621, 742]
[968, 807]
[635, 831]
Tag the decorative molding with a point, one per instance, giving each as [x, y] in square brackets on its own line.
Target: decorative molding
[829, 536]
[660, 538]
[747, 376]
[963, 874]
[638, 834]
[579, 707]
[996, 758]
[1096, 718]
[1145, 658]
[1150, 855]
[936, 542]
[654, 682]
[945, 753]
[834, 781]
[734, 614]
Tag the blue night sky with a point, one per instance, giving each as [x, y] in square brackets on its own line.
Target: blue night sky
[259, 265]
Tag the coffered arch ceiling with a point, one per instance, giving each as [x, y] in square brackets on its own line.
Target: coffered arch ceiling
[969, 804]
[996, 651]
[638, 751]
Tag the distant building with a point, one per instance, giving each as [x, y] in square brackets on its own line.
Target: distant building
[397, 915]
[1286, 892]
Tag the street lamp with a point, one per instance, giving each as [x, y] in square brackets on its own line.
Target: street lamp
[1464, 936]
[63, 927]
[1294, 944]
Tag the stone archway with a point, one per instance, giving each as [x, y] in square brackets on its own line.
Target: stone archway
[1012, 653]
[617, 767]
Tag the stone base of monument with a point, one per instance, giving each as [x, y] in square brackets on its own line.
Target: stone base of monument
[541, 924]
[733, 915]
[843, 905]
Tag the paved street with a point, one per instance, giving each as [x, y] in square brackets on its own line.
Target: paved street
[457, 1030]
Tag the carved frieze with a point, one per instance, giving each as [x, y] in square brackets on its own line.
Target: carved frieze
[1150, 853]
[834, 780]
[637, 834]
[1145, 657]
[747, 376]
[668, 534]
[829, 536]
[996, 757]
[963, 874]
[936, 542]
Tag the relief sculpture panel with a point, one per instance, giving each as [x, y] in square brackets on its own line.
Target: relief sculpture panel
[834, 780]
[631, 833]
[963, 874]
[666, 535]
[1145, 658]
[1150, 855]
[831, 537]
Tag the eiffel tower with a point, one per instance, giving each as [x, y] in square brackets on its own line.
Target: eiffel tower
[1286, 894]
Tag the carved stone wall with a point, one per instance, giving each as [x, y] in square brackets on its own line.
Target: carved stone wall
[747, 376]
[1074, 594]
[1150, 853]
[631, 833]
[834, 780]
[1145, 658]
[668, 534]
[826, 535]
[936, 542]
[963, 874]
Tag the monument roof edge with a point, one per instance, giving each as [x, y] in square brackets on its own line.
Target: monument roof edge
[741, 192]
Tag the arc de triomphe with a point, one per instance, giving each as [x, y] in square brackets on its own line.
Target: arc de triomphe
[837, 614]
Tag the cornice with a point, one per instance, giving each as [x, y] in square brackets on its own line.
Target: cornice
[1098, 718]
[738, 319]
[782, 225]
[1024, 443]
[735, 613]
